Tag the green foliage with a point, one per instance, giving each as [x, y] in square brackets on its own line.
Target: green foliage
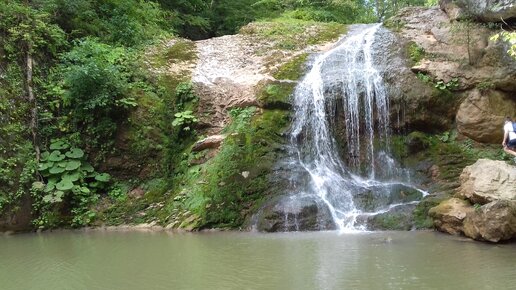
[416, 52]
[451, 85]
[485, 85]
[292, 70]
[510, 38]
[224, 189]
[184, 120]
[68, 177]
[96, 87]
[118, 22]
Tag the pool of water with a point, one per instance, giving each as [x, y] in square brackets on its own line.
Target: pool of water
[233, 260]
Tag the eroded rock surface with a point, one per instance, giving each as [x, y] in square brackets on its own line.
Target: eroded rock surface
[487, 181]
[449, 215]
[493, 222]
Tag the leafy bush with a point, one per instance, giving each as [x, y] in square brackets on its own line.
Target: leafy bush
[184, 119]
[68, 177]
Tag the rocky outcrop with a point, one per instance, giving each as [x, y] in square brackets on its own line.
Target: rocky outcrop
[449, 215]
[484, 10]
[493, 222]
[481, 115]
[487, 182]
[473, 69]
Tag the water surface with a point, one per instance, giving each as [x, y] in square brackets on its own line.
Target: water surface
[232, 260]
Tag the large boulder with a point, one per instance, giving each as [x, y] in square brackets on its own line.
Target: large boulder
[481, 115]
[488, 180]
[484, 10]
[492, 222]
[449, 215]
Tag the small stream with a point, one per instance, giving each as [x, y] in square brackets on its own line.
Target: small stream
[233, 260]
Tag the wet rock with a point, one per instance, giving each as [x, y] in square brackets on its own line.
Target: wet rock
[493, 222]
[295, 214]
[484, 10]
[377, 198]
[488, 180]
[211, 142]
[449, 215]
[482, 113]
[398, 218]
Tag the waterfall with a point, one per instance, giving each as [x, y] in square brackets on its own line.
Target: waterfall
[344, 79]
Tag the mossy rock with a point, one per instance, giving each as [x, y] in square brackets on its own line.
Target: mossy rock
[417, 141]
[276, 95]
[292, 70]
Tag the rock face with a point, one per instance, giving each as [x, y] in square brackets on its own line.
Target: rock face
[434, 48]
[449, 215]
[482, 113]
[487, 181]
[493, 222]
[287, 214]
[484, 10]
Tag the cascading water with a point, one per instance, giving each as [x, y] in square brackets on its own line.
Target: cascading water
[346, 80]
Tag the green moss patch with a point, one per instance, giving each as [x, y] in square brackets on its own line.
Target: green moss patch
[291, 34]
[292, 70]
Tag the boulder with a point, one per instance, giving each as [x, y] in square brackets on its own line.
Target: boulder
[291, 213]
[488, 180]
[483, 10]
[211, 142]
[493, 222]
[481, 115]
[449, 215]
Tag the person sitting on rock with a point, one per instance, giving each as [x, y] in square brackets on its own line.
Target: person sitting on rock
[509, 137]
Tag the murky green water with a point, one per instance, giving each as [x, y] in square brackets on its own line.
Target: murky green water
[320, 260]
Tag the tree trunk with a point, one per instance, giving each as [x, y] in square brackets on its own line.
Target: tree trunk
[33, 103]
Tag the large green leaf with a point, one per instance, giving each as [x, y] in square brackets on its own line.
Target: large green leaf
[103, 177]
[87, 167]
[56, 170]
[44, 156]
[64, 185]
[75, 153]
[56, 156]
[73, 164]
[45, 166]
[72, 176]
[59, 145]
[62, 163]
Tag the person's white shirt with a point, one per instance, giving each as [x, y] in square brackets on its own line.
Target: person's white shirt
[508, 128]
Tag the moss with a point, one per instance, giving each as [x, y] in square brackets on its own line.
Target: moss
[421, 218]
[276, 95]
[182, 50]
[290, 34]
[392, 221]
[292, 70]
